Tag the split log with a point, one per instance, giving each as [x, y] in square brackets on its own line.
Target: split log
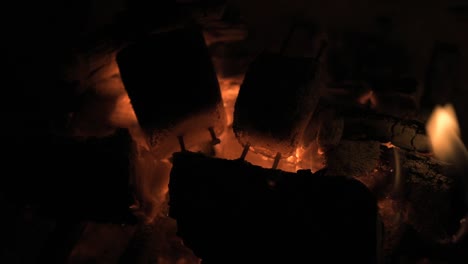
[230, 211]
[172, 84]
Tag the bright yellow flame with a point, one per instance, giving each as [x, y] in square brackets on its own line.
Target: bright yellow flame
[444, 135]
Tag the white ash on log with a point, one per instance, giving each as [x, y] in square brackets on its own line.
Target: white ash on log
[331, 126]
[276, 100]
[170, 79]
[230, 211]
[403, 133]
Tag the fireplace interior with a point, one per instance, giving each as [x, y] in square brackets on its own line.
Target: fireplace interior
[209, 132]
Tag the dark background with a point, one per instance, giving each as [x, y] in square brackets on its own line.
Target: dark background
[38, 36]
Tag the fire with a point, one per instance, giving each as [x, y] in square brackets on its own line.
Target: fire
[444, 135]
[229, 90]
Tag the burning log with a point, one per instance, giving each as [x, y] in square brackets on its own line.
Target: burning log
[173, 88]
[230, 211]
[275, 124]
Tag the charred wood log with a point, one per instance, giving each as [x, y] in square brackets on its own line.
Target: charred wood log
[230, 211]
[172, 84]
[359, 158]
[276, 99]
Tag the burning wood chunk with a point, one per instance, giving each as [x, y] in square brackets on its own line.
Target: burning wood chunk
[170, 79]
[230, 211]
[275, 102]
